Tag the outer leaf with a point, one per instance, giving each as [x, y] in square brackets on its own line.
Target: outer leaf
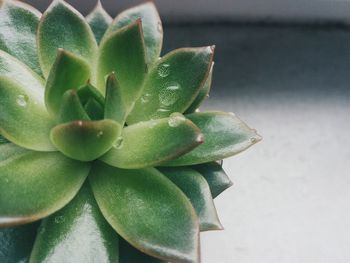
[197, 190]
[225, 135]
[23, 117]
[203, 92]
[149, 143]
[168, 228]
[114, 106]
[34, 185]
[68, 72]
[123, 53]
[99, 20]
[151, 27]
[16, 243]
[13, 68]
[216, 177]
[129, 254]
[71, 108]
[18, 25]
[78, 37]
[77, 233]
[85, 140]
[169, 87]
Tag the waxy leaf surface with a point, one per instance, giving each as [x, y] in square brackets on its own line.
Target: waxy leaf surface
[76, 233]
[172, 83]
[129, 254]
[68, 72]
[23, 116]
[34, 185]
[150, 143]
[123, 53]
[197, 190]
[18, 26]
[151, 27]
[148, 211]
[99, 20]
[114, 106]
[216, 177]
[203, 92]
[85, 140]
[71, 108]
[224, 135]
[62, 26]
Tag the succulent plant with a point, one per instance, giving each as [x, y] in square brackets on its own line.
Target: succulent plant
[102, 141]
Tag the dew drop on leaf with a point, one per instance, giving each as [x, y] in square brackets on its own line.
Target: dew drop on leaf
[22, 100]
[145, 98]
[170, 94]
[176, 119]
[164, 70]
[159, 27]
[99, 134]
[119, 142]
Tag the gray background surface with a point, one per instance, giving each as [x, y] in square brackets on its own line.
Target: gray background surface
[210, 10]
[290, 201]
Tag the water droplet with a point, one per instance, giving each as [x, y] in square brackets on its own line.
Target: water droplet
[170, 94]
[99, 134]
[164, 70]
[80, 123]
[176, 119]
[22, 100]
[145, 98]
[200, 138]
[59, 219]
[159, 27]
[253, 140]
[119, 142]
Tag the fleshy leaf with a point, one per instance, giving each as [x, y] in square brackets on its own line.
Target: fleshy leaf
[224, 135]
[151, 27]
[23, 116]
[85, 140]
[197, 190]
[94, 109]
[18, 25]
[61, 26]
[16, 70]
[123, 52]
[203, 92]
[87, 92]
[216, 177]
[172, 83]
[99, 20]
[114, 106]
[150, 143]
[68, 72]
[129, 254]
[160, 221]
[34, 185]
[16, 243]
[76, 233]
[71, 108]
